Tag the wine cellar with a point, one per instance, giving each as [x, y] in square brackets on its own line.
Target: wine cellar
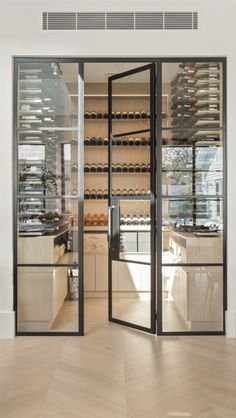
[119, 185]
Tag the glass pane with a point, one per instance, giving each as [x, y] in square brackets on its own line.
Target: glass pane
[47, 299]
[192, 170]
[192, 298]
[46, 97]
[195, 91]
[47, 231]
[48, 168]
[131, 295]
[192, 231]
[195, 136]
[135, 230]
[131, 103]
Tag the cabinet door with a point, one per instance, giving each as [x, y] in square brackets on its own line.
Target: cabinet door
[89, 272]
[102, 272]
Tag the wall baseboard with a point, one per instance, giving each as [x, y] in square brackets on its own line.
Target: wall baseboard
[231, 324]
[7, 324]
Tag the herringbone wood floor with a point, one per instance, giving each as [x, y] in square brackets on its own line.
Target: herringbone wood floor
[115, 372]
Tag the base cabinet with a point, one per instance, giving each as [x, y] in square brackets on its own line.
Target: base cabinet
[40, 296]
[198, 297]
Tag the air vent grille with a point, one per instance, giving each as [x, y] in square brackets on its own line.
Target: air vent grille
[61, 21]
[120, 20]
[144, 20]
[91, 21]
[178, 20]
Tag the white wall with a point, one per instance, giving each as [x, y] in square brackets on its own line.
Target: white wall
[21, 34]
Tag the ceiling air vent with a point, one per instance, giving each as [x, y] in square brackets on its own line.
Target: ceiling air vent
[119, 20]
[88, 21]
[123, 20]
[148, 20]
[61, 21]
[178, 20]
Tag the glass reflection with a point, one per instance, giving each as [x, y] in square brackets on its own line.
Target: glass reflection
[192, 231]
[47, 231]
[47, 299]
[131, 296]
[192, 298]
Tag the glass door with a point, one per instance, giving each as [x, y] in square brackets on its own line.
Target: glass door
[131, 228]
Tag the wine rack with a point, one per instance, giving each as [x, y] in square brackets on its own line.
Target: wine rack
[196, 103]
[131, 154]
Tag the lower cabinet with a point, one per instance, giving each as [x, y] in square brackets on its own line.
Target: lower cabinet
[41, 293]
[126, 277]
[95, 272]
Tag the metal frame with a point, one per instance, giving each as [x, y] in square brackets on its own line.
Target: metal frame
[158, 64]
[79, 198]
[114, 230]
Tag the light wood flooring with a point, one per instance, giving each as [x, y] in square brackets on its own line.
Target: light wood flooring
[116, 372]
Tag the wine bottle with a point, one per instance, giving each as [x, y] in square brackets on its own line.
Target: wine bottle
[95, 219]
[124, 192]
[118, 141]
[118, 115]
[124, 115]
[105, 115]
[122, 219]
[143, 141]
[99, 141]
[99, 194]
[143, 192]
[131, 141]
[141, 220]
[93, 168]
[131, 115]
[93, 194]
[93, 115]
[87, 115]
[118, 192]
[88, 220]
[87, 141]
[86, 194]
[99, 168]
[113, 115]
[137, 192]
[105, 141]
[86, 168]
[137, 141]
[137, 168]
[148, 220]
[144, 114]
[99, 115]
[113, 168]
[128, 220]
[137, 115]
[102, 219]
[93, 140]
[105, 194]
[105, 168]
[135, 220]
[143, 168]
[118, 168]
[124, 168]
[125, 141]
[149, 168]
[131, 192]
[131, 168]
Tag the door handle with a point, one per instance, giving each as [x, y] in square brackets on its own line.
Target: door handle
[110, 209]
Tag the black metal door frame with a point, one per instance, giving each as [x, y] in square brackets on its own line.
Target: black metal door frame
[113, 235]
[158, 61]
